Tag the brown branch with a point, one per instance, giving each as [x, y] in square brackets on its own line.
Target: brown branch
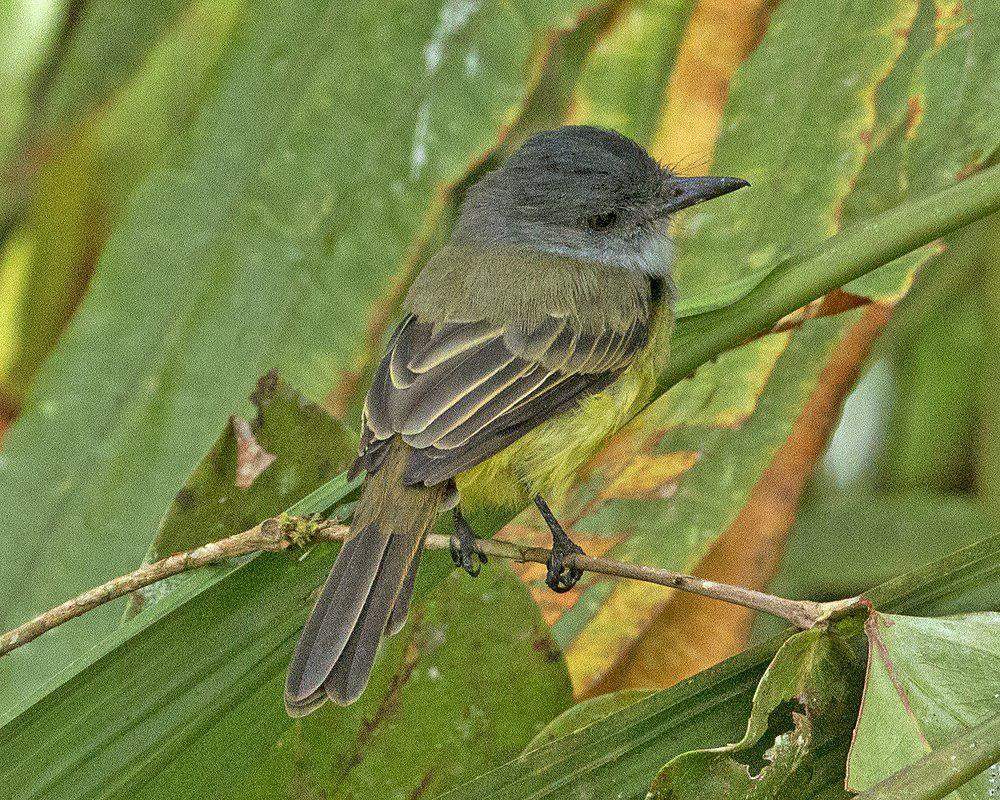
[280, 533]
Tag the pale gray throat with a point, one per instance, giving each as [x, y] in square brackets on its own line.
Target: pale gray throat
[647, 252]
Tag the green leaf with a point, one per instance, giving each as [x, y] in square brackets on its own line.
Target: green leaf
[928, 680]
[797, 113]
[924, 684]
[202, 714]
[29, 31]
[947, 312]
[111, 111]
[946, 768]
[433, 715]
[252, 244]
[844, 545]
[308, 447]
[586, 713]
[68, 60]
[623, 84]
[935, 123]
[855, 252]
[956, 87]
[618, 755]
[105, 47]
[882, 182]
[804, 704]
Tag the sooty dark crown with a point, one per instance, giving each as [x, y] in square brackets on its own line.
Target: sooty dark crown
[578, 192]
[578, 172]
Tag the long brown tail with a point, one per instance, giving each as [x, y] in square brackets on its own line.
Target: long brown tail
[367, 595]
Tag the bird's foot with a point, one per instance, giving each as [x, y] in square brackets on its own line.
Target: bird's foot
[463, 553]
[558, 576]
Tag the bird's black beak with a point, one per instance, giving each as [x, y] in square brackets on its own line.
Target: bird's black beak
[685, 192]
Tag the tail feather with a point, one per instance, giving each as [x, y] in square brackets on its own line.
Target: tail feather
[337, 611]
[402, 607]
[367, 595]
[350, 674]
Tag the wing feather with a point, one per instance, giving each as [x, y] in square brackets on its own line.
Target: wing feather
[526, 385]
[436, 391]
[431, 465]
[412, 338]
[459, 393]
[452, 340]
[482, 396]
[533, 343]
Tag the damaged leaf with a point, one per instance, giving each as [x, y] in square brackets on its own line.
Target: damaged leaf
[308, 448]
[251, 458]
[618, 755]
[804, 705]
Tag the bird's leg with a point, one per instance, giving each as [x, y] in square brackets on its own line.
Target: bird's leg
[463, 554]
[559, 578]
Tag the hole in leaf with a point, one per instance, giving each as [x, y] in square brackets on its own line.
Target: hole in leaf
[779, 721]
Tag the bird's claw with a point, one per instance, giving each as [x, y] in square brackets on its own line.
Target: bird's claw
[559, 577]
[463, 554]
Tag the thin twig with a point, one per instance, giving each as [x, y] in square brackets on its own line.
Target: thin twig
[280, 533]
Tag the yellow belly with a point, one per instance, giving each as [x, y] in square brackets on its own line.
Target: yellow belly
[545, 460]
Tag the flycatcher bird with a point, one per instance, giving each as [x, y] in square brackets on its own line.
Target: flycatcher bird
[527, 340]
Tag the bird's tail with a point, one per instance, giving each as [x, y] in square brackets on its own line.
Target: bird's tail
[367, 595]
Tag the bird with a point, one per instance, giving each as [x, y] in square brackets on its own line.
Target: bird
[525, 342]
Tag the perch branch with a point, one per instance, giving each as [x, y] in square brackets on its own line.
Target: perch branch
[280, 533]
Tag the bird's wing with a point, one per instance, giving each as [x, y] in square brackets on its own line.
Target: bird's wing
[458, 393]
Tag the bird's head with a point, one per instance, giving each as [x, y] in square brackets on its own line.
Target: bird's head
[585, 193]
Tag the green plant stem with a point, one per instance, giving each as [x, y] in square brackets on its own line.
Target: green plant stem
[945, 769]
[801, 279]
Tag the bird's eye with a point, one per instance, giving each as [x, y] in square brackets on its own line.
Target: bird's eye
[677, 191]
[601, 222]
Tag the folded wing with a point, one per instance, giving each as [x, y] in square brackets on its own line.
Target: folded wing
[458, 393]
